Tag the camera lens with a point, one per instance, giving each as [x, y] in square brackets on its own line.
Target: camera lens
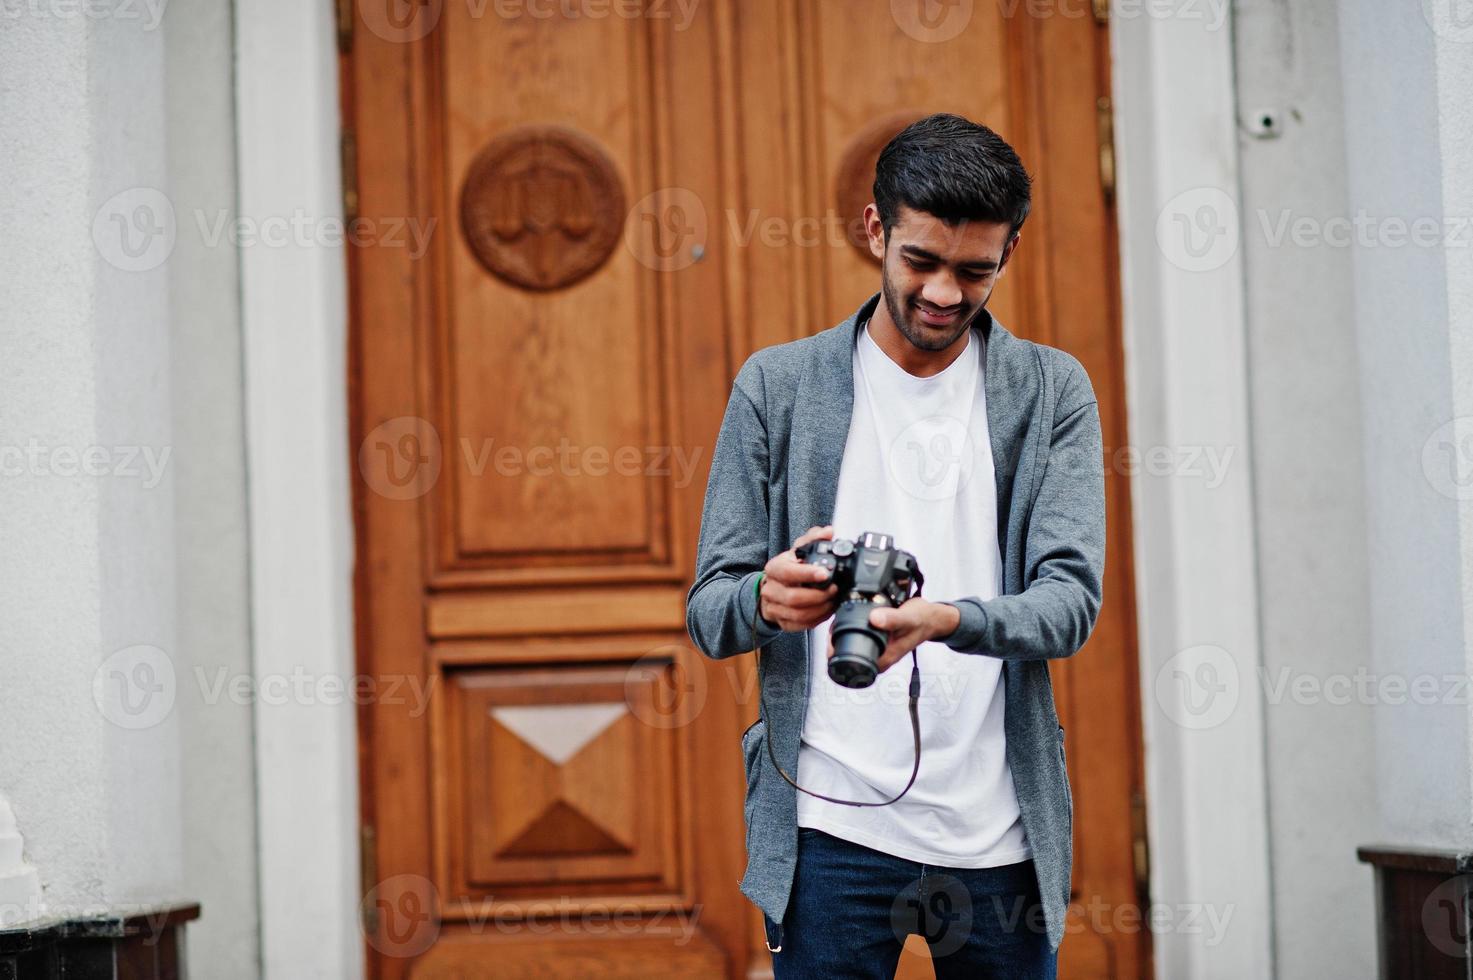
[857, 645]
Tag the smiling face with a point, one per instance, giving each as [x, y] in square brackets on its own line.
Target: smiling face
[937, 277]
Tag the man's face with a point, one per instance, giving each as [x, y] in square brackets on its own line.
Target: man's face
[937, 277]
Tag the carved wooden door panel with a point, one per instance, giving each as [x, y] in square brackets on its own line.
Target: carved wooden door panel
[574, 220]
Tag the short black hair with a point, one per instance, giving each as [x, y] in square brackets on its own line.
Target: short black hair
[955, 169]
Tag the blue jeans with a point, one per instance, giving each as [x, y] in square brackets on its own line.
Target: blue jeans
[852, 908]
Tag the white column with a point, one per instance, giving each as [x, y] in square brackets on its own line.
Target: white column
[1195, 558]
[294, 311]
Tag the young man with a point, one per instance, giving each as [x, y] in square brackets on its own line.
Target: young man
[923, 418]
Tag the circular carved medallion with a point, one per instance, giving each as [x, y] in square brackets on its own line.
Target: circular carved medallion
[855, 183]
[542, 206]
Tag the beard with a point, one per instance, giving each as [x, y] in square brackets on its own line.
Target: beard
[921, 335]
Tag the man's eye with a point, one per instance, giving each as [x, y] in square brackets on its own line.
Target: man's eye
[920, 266]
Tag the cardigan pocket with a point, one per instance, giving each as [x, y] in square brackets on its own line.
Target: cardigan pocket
[752, 742]
[1064, 767]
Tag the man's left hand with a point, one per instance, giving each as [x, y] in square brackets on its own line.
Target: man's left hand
[910, 625]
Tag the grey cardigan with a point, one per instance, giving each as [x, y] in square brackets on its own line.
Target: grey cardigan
[774, 474]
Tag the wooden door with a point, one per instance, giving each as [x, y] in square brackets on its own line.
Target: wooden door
[573, 220]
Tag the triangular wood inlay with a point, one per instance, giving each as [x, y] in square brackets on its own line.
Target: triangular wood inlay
[562, 831]
[559, 731]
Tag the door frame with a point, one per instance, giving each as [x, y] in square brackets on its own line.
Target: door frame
[1180, 385]
[294, 338]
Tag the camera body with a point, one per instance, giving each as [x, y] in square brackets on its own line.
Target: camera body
[869, 572]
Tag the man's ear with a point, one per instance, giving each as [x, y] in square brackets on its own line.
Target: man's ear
[1007, 252]
[874, 230]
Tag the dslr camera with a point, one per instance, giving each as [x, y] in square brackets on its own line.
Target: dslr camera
[869, 572]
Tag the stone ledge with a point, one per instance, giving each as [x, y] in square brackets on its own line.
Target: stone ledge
[143, 942]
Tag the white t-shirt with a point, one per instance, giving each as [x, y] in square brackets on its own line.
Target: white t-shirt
[918, 466]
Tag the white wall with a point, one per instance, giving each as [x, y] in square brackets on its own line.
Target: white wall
[123, 305]
[87, 588]
[1409, 156]
[1357, 359]
[211, 530]
[121, 339]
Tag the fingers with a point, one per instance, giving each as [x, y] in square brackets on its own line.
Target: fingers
[892, 655]
[889, 659]
[795, 620]
[798, 597]
[792, 593]
[910, 615]
[786, 569]
[901, 643]
[905, 627]
[797, 608]
[825, 533]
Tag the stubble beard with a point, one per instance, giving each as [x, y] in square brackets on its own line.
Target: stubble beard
[900, 315]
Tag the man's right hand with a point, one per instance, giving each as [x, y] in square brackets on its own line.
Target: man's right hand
[788, 598]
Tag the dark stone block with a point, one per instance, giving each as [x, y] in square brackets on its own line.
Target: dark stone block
[1423, 912]
[140, 944]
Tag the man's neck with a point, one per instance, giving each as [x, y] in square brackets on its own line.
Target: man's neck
[912, 359]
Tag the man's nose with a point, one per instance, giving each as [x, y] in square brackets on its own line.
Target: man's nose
[942, 291]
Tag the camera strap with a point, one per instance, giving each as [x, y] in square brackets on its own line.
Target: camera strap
[915, 719]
